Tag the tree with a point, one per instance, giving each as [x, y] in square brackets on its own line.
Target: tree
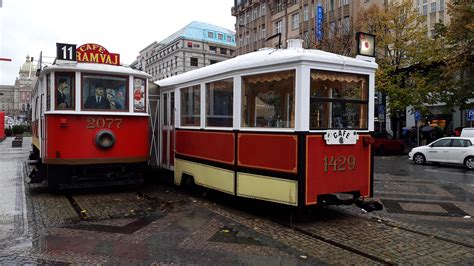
[405, 54]
[458, 72]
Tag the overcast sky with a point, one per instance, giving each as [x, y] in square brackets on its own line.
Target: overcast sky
[123, 27]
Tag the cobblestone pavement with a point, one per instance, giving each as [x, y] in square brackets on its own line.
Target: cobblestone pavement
[159, 223]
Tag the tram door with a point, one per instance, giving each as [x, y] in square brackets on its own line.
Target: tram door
[167, 130]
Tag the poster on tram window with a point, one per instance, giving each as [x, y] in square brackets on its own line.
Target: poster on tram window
[139, 95]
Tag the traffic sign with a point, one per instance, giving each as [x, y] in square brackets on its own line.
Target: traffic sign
[417, 115]
[470, 115]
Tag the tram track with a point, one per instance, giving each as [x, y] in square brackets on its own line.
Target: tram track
[309, 230]
[335, 243]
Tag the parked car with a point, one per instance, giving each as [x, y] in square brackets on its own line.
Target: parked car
[457, 150]
[467, 132]
[386, 144]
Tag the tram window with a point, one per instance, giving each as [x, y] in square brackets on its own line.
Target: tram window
[64, 95]
[219, 103]
[48, 92]
[268, 100]
[139, 95]
[191, 106]
[100, 92]
[338, 100]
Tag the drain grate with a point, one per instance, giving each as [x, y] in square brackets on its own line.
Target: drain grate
[423, 208]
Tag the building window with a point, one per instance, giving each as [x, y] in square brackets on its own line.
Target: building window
[229, 38]
[295, 20]
[338, 100]
[212, 61]
[425, 9]
[220, 36]
[345, 2]
[196, 45]
[441, 5]
[433, 7]
[263, 32]
[194, 61]
[191, 106]
[268, 100]
[332, 29]
[279, 5]
[190, 45]
[263, 10]
[278, 26]
[223, 51]
[347, 26]
[210, 35]
[305, 13]
[219, 103]
[331, 5]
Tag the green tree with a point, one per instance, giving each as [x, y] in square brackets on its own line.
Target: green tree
[406, 55]
[458, 71]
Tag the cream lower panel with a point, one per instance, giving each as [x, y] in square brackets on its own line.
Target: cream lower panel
[267, 188]
[36, 142]
[205, 175]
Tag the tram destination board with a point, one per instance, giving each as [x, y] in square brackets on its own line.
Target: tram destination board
[65, 51]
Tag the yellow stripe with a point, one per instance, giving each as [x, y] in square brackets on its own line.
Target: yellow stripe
[267, 188]
[35, 142]
[205, 175]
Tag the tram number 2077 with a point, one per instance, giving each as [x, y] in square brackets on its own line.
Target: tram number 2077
[104, 122]
[339, 163]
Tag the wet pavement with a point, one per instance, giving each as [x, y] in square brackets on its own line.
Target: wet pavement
[427, 220]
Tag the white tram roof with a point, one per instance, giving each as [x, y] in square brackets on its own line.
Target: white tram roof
[270, 57]
[93, 68]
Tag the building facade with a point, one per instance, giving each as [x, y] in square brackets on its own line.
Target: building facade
[261, 23]
[15, 99]
[196, 45]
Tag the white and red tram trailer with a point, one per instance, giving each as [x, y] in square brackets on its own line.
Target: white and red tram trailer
[291, 126]
[90, 121]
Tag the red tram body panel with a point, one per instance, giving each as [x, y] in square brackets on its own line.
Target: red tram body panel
[71, 139]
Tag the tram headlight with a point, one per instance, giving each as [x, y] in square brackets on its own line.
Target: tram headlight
[105, 139]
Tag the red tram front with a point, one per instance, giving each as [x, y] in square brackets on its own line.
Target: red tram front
[89, 120]
[291, 126]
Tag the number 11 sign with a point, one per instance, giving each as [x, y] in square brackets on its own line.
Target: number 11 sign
[66, 51]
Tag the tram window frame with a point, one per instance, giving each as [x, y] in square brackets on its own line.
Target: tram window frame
[126, 100]
[72, 89]
[48, 92]
[249, 113]
[222, 91]
[143, 96]
[338, 95]
[194, 117]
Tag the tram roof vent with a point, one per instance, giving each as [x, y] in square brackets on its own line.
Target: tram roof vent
[295, 44]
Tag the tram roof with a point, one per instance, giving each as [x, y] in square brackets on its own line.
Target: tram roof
[264, 58]
[94, 68]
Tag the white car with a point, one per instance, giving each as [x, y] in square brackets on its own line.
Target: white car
[457, 150]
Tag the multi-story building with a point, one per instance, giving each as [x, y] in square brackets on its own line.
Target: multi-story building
[261, 23]
[15, 99]
[196, 45]
[435, 12]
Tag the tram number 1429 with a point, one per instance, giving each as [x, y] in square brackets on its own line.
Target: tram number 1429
[104, 122]
[339, 163]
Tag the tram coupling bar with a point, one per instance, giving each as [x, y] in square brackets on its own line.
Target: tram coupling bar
[369, 206]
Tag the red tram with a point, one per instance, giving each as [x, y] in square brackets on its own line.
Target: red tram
[292, 126]
[90, 120]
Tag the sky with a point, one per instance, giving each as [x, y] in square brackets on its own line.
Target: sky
[28, 27]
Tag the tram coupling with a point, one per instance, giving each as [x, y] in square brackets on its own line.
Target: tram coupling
[349, 199]
[369, 206]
